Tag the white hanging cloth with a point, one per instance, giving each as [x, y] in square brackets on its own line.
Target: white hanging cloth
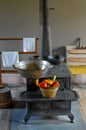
[9, 58]
[29, 44]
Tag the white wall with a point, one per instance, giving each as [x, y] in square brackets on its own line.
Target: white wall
[68, 21]
[20, 18]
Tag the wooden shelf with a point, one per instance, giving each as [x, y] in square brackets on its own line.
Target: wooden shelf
[11, 70]
[77, 51]
[31, 52]
[76, 57]
[77, 60]
[13, 39]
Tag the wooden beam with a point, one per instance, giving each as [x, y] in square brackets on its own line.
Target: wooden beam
[0, 76]
[77, 60]
[3, 39]
[9, 71]
[77, 51]
[32, 52]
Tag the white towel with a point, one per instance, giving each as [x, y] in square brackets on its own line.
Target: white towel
[9, 58]
[29, 44]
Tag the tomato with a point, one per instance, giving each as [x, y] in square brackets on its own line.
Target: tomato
[55, 84]
[43, 85]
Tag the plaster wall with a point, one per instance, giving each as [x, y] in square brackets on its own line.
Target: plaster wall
[20, 18]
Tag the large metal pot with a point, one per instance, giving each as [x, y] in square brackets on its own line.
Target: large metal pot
[32, 69]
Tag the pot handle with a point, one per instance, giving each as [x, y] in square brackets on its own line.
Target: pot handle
[14, 67]
[51, 66]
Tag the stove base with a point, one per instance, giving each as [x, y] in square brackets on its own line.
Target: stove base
[59, 105]
[37, 109]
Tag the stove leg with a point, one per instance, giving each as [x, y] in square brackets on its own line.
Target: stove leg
[71, 117]
[26, 118]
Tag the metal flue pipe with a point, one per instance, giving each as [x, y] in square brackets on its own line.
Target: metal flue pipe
[46, 46]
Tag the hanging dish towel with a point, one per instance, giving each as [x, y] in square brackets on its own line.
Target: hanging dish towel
[9, 58]
[29, 44]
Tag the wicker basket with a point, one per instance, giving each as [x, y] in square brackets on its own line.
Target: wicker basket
[49, 93]
[5, 98]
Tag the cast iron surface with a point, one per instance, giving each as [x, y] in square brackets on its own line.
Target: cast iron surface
[61, 95]
[61, 71]
[60, 105]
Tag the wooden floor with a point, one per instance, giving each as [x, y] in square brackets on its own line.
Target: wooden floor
[5, 120]
[81, 89]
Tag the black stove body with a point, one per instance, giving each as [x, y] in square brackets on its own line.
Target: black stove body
[60, 105]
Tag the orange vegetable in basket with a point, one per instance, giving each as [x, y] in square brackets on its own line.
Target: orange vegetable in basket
[47, 83]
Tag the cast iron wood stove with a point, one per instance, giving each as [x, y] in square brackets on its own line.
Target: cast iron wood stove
[60, 105]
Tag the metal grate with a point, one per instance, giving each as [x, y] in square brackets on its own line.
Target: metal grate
[61, 95]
